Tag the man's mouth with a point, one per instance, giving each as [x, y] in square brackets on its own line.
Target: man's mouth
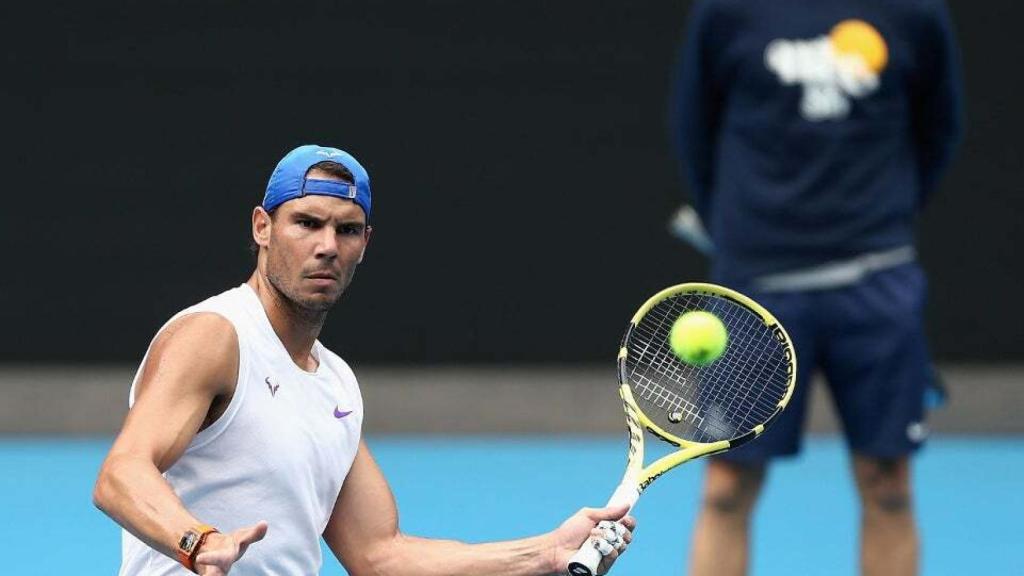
[322, 277]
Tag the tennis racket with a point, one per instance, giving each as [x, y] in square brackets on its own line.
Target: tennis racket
[700, 410]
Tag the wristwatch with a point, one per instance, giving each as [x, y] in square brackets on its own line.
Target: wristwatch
[190, 543]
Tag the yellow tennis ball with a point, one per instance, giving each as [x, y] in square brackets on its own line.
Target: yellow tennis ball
[698, 338]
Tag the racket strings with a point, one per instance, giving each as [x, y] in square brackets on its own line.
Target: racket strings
[722, 400]
[668, 400]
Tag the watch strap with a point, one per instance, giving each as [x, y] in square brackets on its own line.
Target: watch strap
[190, 543]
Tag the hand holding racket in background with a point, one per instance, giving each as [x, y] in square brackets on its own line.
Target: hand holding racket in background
[700, 408]
[686, 225]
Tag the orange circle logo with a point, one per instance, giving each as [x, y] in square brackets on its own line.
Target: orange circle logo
[858, 38]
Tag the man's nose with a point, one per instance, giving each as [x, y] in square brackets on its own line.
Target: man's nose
[327, 243]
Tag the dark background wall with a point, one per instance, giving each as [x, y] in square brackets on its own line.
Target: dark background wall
[519, 155]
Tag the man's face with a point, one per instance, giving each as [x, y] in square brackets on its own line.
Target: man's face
[313, 245]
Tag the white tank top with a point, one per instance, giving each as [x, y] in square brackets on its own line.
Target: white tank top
[279, 453]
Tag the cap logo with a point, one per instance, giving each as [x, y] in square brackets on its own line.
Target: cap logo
[330, 154]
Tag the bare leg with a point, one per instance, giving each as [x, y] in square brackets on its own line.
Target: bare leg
[720, 538]
[889, 545]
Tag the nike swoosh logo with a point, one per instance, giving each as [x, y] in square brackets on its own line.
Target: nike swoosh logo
[341, 414]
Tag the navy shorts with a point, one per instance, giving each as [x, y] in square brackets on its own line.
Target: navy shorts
[868, 341]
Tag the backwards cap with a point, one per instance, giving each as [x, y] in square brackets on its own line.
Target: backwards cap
[289, 179]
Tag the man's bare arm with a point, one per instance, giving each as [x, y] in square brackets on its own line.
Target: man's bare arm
[363, 533]
[192, 363]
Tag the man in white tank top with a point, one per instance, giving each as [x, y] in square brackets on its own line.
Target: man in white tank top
[243, 443]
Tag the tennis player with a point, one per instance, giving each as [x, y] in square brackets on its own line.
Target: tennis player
[243, 446]
[814, 133]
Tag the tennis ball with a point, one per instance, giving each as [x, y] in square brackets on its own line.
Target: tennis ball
[698, 338]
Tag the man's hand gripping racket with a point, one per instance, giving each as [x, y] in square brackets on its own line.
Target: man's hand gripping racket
[699, 409]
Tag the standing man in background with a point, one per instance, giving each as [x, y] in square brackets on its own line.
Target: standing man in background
[243, 445]
[813, 133]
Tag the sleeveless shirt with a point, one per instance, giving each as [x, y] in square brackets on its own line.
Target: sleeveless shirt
[279, 452]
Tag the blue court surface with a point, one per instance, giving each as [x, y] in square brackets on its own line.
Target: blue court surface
[970, 500]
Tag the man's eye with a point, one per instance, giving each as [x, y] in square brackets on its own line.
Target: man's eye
[307, 223]
[351, 230]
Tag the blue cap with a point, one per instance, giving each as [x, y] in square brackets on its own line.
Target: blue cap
[289, 178]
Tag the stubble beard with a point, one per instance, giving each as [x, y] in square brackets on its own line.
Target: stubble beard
[311, 310]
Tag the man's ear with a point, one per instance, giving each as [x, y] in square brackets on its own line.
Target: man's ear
[261, 223]
[366, 237]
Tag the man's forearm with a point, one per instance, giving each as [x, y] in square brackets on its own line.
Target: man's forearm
[132, 492]
[413, 556]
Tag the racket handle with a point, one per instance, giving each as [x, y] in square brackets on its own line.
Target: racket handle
[585, 561]
[626, 493]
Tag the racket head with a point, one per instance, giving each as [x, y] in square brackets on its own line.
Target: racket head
[717, 406]
[721, 405]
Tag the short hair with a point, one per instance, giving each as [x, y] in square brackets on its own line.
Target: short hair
[333, 169]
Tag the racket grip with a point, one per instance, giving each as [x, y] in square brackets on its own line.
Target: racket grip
[585, 561]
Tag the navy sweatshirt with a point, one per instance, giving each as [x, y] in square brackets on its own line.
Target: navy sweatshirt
[813, 131]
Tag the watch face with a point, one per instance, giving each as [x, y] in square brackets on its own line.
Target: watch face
[188, 541]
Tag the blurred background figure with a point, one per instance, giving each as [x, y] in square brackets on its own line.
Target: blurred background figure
[813, 134]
